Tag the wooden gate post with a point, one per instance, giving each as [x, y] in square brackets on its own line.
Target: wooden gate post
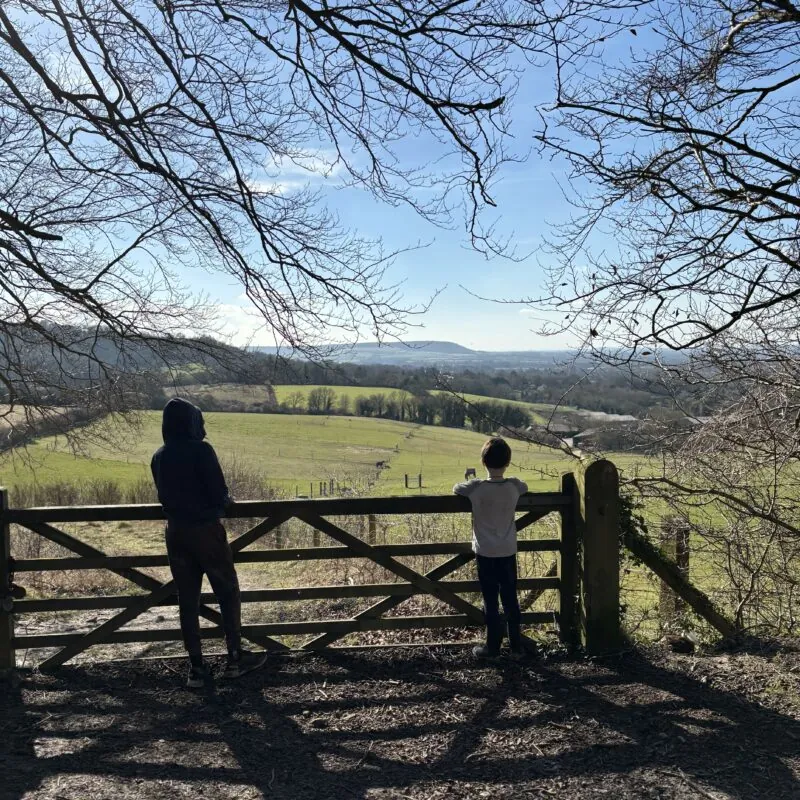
[674, 545]
[598, 532]
[568, 565]
[7, 654]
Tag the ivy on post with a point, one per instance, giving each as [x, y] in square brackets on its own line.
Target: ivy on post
[598, 532]
[7, 654]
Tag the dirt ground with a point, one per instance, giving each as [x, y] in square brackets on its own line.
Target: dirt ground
[418, 723]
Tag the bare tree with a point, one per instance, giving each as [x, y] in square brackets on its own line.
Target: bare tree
[296, 401]
[143, 142]
[684, 175]
[732, 477]
[321, 400]
[680, 132]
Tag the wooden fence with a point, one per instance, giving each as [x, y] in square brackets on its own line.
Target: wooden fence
[586, 576]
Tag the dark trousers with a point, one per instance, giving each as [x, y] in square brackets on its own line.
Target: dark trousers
[194, 551]
[498, 576]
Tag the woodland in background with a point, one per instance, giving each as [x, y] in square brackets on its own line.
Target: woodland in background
[601, 388]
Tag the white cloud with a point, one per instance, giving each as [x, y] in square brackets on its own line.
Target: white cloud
[275, 187]
[309, 163]
[283, 175]
[242, 325]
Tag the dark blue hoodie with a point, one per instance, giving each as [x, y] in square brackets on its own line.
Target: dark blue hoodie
[190, 483]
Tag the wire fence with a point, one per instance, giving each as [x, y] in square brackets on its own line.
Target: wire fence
[747, 567]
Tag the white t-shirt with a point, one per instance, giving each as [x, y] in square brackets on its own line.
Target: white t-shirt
[493, 505]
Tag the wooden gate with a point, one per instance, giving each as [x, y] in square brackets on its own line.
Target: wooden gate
[587, 574]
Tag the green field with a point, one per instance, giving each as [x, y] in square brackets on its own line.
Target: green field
[540, 412]
[291, 451]
[284, 391]
[256, 393]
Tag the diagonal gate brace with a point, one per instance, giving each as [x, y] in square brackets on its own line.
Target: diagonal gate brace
[386, 561]
[411, 575]
[137, 577]
[159, 593]
[388, 603]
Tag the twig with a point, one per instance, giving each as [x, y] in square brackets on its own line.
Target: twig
[691, 784]
[171, 668]
[366, 754]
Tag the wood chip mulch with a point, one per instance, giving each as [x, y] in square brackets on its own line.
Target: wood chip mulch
[419, 723]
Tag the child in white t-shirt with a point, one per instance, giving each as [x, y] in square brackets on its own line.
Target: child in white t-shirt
[494, 540]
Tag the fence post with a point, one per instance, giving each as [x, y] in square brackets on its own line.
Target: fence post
[568, 564]
[406, 477]
[372, 529]
[7, 654]
[598, 532]
[674, 545]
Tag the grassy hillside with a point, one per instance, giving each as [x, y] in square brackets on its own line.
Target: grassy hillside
[283, 391]
[293, 450]
[540, 412]
[244, 392]
[255, 393]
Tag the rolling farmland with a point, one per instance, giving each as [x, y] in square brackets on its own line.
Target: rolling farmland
[292, 451]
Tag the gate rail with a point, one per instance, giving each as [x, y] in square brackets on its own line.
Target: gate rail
[587, 573]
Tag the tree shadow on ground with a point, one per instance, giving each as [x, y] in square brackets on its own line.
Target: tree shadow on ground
[400, 723]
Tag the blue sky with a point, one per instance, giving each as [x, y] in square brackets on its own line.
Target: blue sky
[529, 201]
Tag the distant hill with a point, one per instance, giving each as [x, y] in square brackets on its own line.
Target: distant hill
[440, 354]
[427, 346]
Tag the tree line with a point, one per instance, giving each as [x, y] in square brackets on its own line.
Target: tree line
[445, 409]
[600, 388]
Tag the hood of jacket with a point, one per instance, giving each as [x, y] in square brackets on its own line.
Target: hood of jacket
[182, 420]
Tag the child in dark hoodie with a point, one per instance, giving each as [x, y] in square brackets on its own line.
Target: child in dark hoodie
[193, 492]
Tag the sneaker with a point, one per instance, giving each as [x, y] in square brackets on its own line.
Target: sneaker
[240, 662]
[482, 651]
[199, 676]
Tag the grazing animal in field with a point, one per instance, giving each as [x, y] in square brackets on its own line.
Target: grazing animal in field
[469, 472]
[381, 465]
